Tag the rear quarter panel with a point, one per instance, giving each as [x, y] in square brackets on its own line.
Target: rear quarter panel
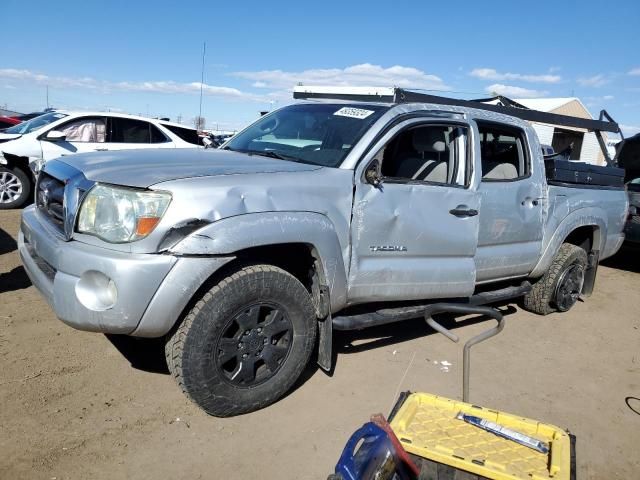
[574, 207]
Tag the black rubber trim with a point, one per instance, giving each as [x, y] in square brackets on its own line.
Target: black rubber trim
[398, 405]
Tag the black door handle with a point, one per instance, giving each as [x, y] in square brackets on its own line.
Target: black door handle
[463, 211]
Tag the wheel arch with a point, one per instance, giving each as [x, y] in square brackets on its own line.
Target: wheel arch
[297, 242]
[19, 161]
[585, 228]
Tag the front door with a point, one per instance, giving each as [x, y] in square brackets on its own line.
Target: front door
[84, 134]
[414, 235]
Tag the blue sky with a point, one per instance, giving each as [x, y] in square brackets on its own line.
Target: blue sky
[145, 57]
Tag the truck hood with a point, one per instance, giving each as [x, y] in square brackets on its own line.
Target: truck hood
[143, 168]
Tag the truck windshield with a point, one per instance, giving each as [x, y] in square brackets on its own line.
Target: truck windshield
[319, 134]
[35, 123]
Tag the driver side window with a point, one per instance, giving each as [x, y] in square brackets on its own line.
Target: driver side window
[88, 129]
[425, 153]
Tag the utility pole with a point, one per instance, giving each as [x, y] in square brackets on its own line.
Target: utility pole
[204, 51]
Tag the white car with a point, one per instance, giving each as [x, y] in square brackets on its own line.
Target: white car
[25, 147]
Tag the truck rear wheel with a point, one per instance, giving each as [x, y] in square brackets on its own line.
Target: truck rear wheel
[245, 342]
[560, 287]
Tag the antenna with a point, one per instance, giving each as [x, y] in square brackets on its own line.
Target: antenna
[204, 51]
[47, 97]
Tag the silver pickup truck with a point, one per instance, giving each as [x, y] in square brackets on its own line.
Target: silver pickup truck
[245, 257]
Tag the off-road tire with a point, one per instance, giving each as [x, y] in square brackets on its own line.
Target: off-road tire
[541, 298]
[17, 174]
[192, 348]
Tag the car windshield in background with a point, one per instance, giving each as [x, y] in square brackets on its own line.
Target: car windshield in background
[315, 133]
[35, 123]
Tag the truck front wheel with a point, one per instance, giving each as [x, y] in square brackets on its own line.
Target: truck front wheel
[245, 342]
[560, 287]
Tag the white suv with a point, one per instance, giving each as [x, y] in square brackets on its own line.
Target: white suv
[25, 147]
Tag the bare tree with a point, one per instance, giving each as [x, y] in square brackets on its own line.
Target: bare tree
[199, 122]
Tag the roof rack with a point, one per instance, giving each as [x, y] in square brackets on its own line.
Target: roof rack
[401, 95]
[509, 107]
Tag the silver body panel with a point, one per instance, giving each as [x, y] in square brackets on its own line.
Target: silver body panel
[394, 242]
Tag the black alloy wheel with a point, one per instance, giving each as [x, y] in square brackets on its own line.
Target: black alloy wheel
[254, 345]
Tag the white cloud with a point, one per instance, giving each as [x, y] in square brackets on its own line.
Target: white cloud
[514, 92]
[364, 74]
[597, 101]
[634, 71]
[125, 86]
[595, 81]
[491, 74]
[629, 130]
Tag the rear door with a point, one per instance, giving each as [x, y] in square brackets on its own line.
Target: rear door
[414, 236]
[126, 133]
[512, 190]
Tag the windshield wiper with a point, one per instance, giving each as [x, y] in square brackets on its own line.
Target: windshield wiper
[268, 153]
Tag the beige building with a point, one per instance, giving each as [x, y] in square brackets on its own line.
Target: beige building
[585, 144]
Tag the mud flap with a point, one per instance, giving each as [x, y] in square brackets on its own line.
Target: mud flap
[590, 273]
[325, 341]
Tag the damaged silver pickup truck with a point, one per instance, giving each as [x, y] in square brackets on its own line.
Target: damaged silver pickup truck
[328, 213]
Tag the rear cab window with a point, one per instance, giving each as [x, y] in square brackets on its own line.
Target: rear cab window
[503, 152]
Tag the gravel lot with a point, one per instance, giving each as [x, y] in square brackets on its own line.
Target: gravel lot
[78, 405]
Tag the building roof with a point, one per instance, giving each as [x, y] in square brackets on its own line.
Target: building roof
[544, 104]
[571, 106]
[8, 113]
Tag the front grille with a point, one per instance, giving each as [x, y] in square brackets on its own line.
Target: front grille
[50, 199]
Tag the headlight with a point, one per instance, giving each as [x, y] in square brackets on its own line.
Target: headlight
[119, 215]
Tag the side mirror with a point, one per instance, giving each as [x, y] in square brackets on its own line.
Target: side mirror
[372, 174]
[55, 136]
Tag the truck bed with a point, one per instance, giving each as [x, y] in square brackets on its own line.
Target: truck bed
[568, 173]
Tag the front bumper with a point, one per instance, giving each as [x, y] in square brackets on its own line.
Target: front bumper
[152, 289]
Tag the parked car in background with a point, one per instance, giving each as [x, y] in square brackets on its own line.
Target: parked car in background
[7, 122]
[547, 150]
[24, 148]
[628, 157]
[28, 116]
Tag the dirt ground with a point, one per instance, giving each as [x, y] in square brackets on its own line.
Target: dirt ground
[76, 405]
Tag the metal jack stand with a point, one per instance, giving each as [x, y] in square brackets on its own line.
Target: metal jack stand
[457, 308]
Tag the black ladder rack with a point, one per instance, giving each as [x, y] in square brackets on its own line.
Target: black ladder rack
[400, 95]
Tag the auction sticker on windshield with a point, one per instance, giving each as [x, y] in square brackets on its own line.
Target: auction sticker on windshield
[353, 112]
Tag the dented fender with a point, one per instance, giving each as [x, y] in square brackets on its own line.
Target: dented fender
[230, 235]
